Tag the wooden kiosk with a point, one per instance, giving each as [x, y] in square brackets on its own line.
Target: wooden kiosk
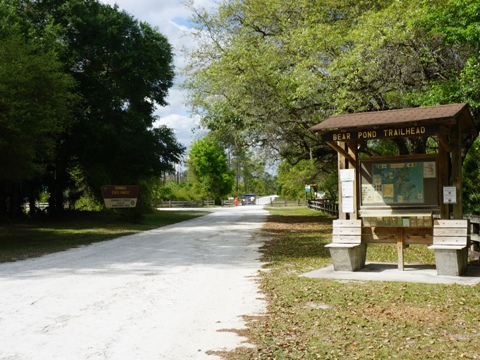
[412, 199]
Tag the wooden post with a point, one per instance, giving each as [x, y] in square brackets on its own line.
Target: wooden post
[400, 236]
[352, 151]
[443, 175]
[457, 169]
[342, 164]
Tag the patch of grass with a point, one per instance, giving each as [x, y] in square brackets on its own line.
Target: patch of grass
[33, 238]
[330, 319]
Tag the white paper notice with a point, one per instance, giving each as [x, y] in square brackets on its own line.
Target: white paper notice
[347, 205]
[347, 175]
[347, 189]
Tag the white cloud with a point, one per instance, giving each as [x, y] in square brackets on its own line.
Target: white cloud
[183, 126]
[171, 20]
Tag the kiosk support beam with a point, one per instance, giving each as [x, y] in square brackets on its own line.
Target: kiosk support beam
[341, 151]
[400, 246]
[352, 151]
[457, 169]
[443, 173]
[342, 164]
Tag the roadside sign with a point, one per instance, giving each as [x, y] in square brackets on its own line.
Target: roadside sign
[449, 195]
[120, 196]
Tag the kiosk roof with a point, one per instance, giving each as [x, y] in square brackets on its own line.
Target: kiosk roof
[441, 114]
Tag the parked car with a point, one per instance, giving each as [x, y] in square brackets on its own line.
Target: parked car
[249, 199]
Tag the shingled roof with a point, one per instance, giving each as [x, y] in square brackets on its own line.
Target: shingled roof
[442, 115]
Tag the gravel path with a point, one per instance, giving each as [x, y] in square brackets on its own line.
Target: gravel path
[161, 294]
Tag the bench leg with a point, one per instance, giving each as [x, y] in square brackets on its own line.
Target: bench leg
[348, 258]
[451, 262]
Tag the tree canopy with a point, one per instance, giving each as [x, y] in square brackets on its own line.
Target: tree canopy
[119, 67]
[124, 69]
[208, 168]
[36, 101]
[272, 69]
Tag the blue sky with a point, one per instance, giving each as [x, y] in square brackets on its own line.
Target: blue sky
[171, 18]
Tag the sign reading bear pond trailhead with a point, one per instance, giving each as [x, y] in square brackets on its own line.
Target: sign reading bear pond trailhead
[120, 196]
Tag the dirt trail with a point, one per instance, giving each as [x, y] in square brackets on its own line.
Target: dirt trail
[161, 294]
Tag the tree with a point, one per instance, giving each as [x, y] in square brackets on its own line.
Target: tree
[458, 25]
[208, 169]
[124, 69]
[36, 103]
[267, 63]
[471, 179]
[293, 178]
[273, 69]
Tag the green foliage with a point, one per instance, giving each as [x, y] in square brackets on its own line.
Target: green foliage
[88, 203]
[251, 173]
[124, 69]
[457, 24]
[270, 70]
[36, 101]
[173, 190]
[293, 178]
[54, 53]
[471, 179]
[267, 71]
[208, 169]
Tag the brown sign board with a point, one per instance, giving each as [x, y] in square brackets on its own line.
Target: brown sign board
[385, 133]
[120, 196]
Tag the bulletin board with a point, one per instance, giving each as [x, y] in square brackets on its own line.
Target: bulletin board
[399, 182]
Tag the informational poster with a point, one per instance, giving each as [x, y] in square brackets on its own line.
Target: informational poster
[367, 193]
[398, 182]
[429, 170]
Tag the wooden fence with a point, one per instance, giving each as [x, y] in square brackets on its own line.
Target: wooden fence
[187, 203]
[324, 206]
[285, 203]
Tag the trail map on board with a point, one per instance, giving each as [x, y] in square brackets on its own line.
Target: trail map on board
[397, 183]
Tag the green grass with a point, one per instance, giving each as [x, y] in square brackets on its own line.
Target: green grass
[33, 238]
[329, 319]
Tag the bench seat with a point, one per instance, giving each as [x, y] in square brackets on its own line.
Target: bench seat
[336, 245]
[450, 243]
[346, 249]
[447, 247]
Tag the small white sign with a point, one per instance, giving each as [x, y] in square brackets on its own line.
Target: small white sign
[116, 203]
[347, 175]
[449, 195]
[347, 189]
[347, 205]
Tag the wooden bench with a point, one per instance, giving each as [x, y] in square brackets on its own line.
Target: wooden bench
[450, 243]
[346, 249]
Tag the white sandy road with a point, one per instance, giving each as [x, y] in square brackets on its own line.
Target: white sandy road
[162, 294]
